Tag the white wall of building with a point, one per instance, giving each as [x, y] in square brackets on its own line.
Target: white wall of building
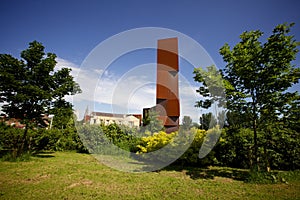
[129, 121]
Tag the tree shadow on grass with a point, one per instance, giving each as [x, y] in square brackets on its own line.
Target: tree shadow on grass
[212, 172]
[44, 154]
[4, 152]
[39, 154]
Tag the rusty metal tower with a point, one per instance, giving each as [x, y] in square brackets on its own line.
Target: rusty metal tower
[167, 92]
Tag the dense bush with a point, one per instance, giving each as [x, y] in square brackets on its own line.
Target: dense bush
[235, 148]
[56, 140]
[278, 148]
[188, 140]
[93, 138]
[10, 140]
[191, 155]
[111, 139]
[155, 141]
[161, 148]
[38, 139]
[122, 136]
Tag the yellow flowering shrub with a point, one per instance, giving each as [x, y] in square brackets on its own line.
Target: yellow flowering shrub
[191, 140]
[155, 141]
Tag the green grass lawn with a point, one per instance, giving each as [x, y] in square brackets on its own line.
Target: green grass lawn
[69, 175]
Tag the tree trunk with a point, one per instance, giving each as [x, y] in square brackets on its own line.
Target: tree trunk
[24, 142]
[255, 150]
[267, 167]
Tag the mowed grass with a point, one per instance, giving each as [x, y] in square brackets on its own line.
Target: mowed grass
[70, 175]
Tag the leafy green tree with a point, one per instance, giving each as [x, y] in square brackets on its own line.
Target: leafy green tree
[212, 88]
[30, 88]
[152, 123]
[187, 122]
[63, 114]
[207, 120]
[212, 91]
[260, 75]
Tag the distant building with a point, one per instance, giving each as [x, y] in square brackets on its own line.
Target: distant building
[130, 120]
[17, 122]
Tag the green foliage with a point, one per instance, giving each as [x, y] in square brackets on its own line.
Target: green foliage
[186, 122]
[151, 122]
[234, 148]
[259, 177]
[259, 75]
[190, 157]
[161, 147]
[93, 138]
[39, 140]
[212, 88]
[63, 114]
[124, 137]
[56, 140]
[108, 139]
[155, 141]
[10, 140]
[207, 120]
[30, 88]
[278, 148]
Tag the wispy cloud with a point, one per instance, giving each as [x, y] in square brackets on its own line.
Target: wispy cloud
[130, 92]
[62, 63]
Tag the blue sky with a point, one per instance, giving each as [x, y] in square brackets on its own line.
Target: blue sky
[72, 29]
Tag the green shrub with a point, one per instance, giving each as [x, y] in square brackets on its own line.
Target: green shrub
[38, 139]
[279, 148]
[263, 177]
[191, 155]
[93, 138]
[57, 140]
[10, 141]
[235, 148]
[188, 140]
[124, 137]
[10, 137]
[155, 141]
[11, 158]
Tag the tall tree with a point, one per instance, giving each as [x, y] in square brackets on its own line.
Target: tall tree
[212, 90]
[187, 122]
[260, 75]
[207, 120]
[30, 88]
[151, 122]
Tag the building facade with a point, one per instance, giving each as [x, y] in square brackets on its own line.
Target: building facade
[119, 119]
[167, 92]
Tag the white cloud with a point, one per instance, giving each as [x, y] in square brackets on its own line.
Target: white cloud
[62, 63]
[130, 92]
[188, 97]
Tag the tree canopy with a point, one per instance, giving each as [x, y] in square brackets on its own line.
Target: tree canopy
[31, 87]
[260, 75]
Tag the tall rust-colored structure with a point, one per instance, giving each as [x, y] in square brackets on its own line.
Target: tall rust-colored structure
[167, 94]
